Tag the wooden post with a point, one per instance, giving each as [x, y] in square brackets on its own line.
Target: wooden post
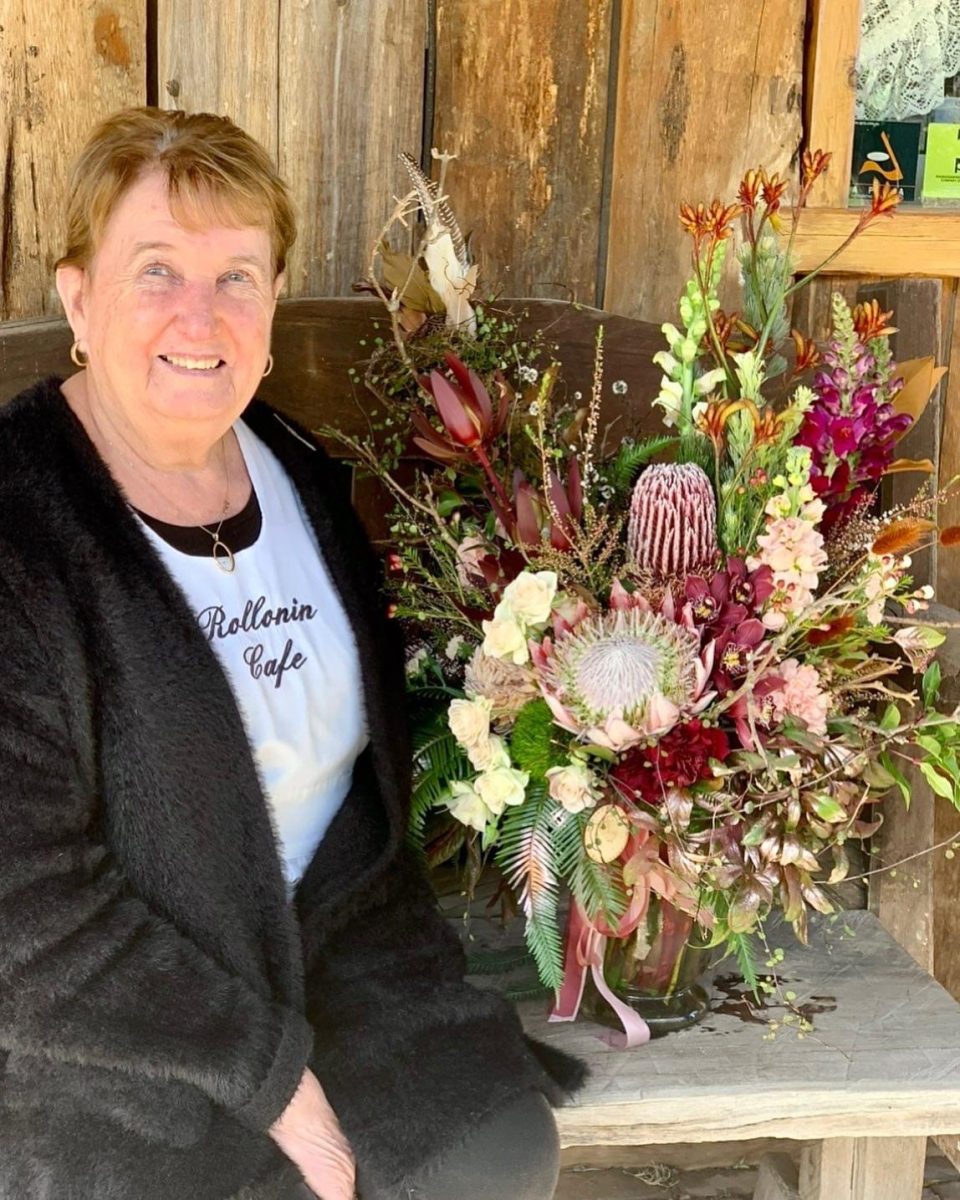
[831, 92]
[863, 1169]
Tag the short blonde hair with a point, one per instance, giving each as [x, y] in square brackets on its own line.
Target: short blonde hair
[215, 172]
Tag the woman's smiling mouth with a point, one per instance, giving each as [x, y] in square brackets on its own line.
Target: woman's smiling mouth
[184, 362]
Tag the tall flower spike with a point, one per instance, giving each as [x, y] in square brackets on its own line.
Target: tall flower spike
[672, 532]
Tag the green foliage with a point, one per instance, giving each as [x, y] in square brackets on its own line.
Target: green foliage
[596, 888]
[622, 470]
[766, 273]
[533, 743]
[437, 759]
[525, 854]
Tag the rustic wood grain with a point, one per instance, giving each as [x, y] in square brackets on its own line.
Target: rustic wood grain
[885, 1062]
[863, 1169]
[315, 342]
[521, 96]
[916, 305]
[908, 243]
[62, 68]
[948, 566]
[830, 95]
[221, 58]
[703, 95]
[351, 99]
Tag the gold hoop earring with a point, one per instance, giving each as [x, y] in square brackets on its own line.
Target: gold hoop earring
[269, 366]
[75, 355]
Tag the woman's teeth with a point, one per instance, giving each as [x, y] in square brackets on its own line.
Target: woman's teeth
[192, 364]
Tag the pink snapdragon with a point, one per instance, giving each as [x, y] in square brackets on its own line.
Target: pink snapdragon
[792, 548]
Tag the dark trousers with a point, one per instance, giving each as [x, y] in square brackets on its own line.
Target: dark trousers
[514, 1153]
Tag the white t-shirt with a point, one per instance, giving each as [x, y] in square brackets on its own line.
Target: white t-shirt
[280, 632]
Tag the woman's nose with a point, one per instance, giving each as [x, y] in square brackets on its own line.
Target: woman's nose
[198, 309]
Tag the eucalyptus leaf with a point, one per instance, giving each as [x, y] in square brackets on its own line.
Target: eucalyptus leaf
[942, 787]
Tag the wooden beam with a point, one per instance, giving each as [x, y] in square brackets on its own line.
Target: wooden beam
[831, 90]
[863, 1169]
[909, 243]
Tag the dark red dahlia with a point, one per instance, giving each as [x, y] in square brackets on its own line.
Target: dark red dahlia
[678, 760]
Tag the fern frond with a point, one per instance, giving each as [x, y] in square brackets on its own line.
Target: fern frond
[526, 856]
[597, 888]
[623, 469]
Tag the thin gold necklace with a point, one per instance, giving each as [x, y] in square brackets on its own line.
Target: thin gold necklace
[223, 556]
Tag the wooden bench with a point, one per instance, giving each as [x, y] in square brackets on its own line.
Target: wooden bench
[878, 1074]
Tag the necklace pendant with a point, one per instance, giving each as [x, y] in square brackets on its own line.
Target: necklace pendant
[223, 556]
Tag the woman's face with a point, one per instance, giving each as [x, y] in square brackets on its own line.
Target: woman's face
[175, 321]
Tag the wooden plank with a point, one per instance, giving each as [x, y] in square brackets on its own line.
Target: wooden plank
[221, 58]
[916, 305]
[776, 1178]
[863, 1169]
[831, 97]
[315, 342]
[718, 96]
[903, 897]
[62, 69]
[908, 243]
[884, 1062]
[351, 99]
[948, 566]
[521, 96]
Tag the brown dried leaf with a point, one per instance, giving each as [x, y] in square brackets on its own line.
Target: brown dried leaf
[920, 377]
[901, 465]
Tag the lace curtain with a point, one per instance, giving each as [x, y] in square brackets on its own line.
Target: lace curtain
[907, 49]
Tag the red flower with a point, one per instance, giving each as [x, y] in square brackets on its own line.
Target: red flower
[678, 760]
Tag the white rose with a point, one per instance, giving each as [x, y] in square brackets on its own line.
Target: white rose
[467, 806]
[504, 637]
[573, 786]
[530, 596]
[500, 787]
[489, 753]
[469, 721]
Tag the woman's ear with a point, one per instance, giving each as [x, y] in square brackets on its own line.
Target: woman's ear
[71, 285]
[278, 285]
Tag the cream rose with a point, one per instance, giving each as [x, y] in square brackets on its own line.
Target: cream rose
[469, 721]
[467, 806]
[530, 596]
[486, 755]
[573, 786]
[500, 787]
[504, 637]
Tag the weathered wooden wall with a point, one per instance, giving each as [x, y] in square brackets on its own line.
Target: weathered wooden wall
[580, 126]
[62, 67]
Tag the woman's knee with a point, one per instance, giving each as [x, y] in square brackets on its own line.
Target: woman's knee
[514, 1153]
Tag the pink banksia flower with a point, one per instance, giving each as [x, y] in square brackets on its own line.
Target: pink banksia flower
[672, 532]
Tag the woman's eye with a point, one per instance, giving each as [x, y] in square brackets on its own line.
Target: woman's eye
[237, 277]
[156, 270]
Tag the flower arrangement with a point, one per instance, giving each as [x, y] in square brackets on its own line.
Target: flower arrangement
[682, 681]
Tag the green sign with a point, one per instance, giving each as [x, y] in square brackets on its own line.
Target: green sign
[941, 172]
[887, 152]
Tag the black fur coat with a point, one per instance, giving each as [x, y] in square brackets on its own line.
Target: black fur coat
[159, 998]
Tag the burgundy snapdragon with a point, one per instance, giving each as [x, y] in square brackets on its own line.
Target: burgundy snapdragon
[851, 429]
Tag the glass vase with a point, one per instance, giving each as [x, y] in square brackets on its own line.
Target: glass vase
[656, 970]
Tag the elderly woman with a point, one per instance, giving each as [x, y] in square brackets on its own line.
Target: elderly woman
[220, 973]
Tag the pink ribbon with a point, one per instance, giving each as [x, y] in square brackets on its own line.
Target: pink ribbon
[583, 949]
